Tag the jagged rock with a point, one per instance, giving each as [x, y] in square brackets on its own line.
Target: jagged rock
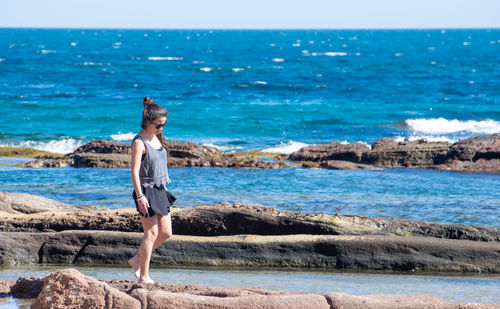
[352, 152]
[480, 165]
[388, 152]
[71, 289]
[467, 149]
[5, 288]
[27, 287]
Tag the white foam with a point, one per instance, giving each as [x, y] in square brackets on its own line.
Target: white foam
[466, 43]
[2, 59]
[48, 51]
[445, 126]
[123, 136]
[278, 59]
[165, 58]
[333, 54]
[429, 138]
[286, 148]
[73, 43]
[260, 82]
[398, 54]
[206, 69]
[58, 146]
[296, 44]
[223, 148]
[237, 69]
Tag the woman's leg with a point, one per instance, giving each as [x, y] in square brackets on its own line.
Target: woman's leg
[150, 228]
[164, 233]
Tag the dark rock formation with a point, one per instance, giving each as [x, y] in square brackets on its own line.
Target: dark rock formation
[110, 154]
[228, 219]
[27, 287]
[480, 154]
[352, 152]
[373, 252]
[25, 203]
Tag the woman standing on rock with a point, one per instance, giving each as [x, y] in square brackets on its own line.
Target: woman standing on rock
[149, 178]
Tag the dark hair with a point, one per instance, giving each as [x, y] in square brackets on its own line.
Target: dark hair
[151, 112]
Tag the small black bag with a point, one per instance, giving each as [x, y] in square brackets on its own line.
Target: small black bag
[171, 197]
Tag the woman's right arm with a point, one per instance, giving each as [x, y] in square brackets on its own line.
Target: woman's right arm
[137, 150]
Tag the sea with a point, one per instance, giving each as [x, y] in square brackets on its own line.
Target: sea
[268, 90]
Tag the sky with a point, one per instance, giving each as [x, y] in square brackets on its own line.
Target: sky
[250, 14]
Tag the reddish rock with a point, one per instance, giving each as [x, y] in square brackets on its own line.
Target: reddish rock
[71, 289]
[481, 165]
[339, 300]
[27, 287]
[352, 152]
[5, 287]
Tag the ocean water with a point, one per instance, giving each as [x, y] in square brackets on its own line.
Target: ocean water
[275, 91]
[241, 90]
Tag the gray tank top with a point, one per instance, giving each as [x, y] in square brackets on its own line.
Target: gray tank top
[154, 170]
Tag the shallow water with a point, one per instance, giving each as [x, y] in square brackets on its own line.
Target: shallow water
[456, 288]
[435, 196]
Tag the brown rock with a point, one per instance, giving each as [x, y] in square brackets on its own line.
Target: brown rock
[466, 150]
[481, 165]
[71, 289]
[388, 152]
[351, 152]
[5, 287]
[48, 163]
[27, 287]
[344, 165]
[164, 299]
[26, 203]
[340, 300]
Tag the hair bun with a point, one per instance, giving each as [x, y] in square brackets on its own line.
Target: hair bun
[148, 102]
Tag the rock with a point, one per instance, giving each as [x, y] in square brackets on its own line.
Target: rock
[102, 146]
[48, 163]
[481, 165]
[230, 219]
[71, 289]
[27, 287]
[388, 152]
[26, 203]
[102, 160]
[344, 165]
[467, 149]
[5, 287]
[164, 299]
[373, 252]
[351, 152]
[340, 300]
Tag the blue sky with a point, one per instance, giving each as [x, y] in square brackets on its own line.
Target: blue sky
[254, 14]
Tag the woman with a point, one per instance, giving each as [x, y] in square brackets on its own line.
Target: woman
[149, 177]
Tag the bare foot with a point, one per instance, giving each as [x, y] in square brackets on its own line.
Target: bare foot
[134, 263]
[146, 280]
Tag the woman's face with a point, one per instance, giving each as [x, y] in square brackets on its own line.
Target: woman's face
[156, 126]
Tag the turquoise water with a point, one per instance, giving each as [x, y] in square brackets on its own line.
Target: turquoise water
[435, 196]
[248, 89]
[465, 288]
[262, 90]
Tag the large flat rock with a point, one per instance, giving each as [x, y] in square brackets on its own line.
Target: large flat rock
[373, 252]
[232, 219]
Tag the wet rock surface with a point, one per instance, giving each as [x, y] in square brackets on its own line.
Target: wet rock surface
[69, 288]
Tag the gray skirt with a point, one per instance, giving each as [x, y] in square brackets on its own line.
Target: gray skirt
[159, 200]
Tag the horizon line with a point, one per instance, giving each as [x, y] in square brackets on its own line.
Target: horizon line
[251, 29]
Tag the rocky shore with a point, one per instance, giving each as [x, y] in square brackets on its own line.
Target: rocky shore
[69, 288]
[38, 230]
[479, 154]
